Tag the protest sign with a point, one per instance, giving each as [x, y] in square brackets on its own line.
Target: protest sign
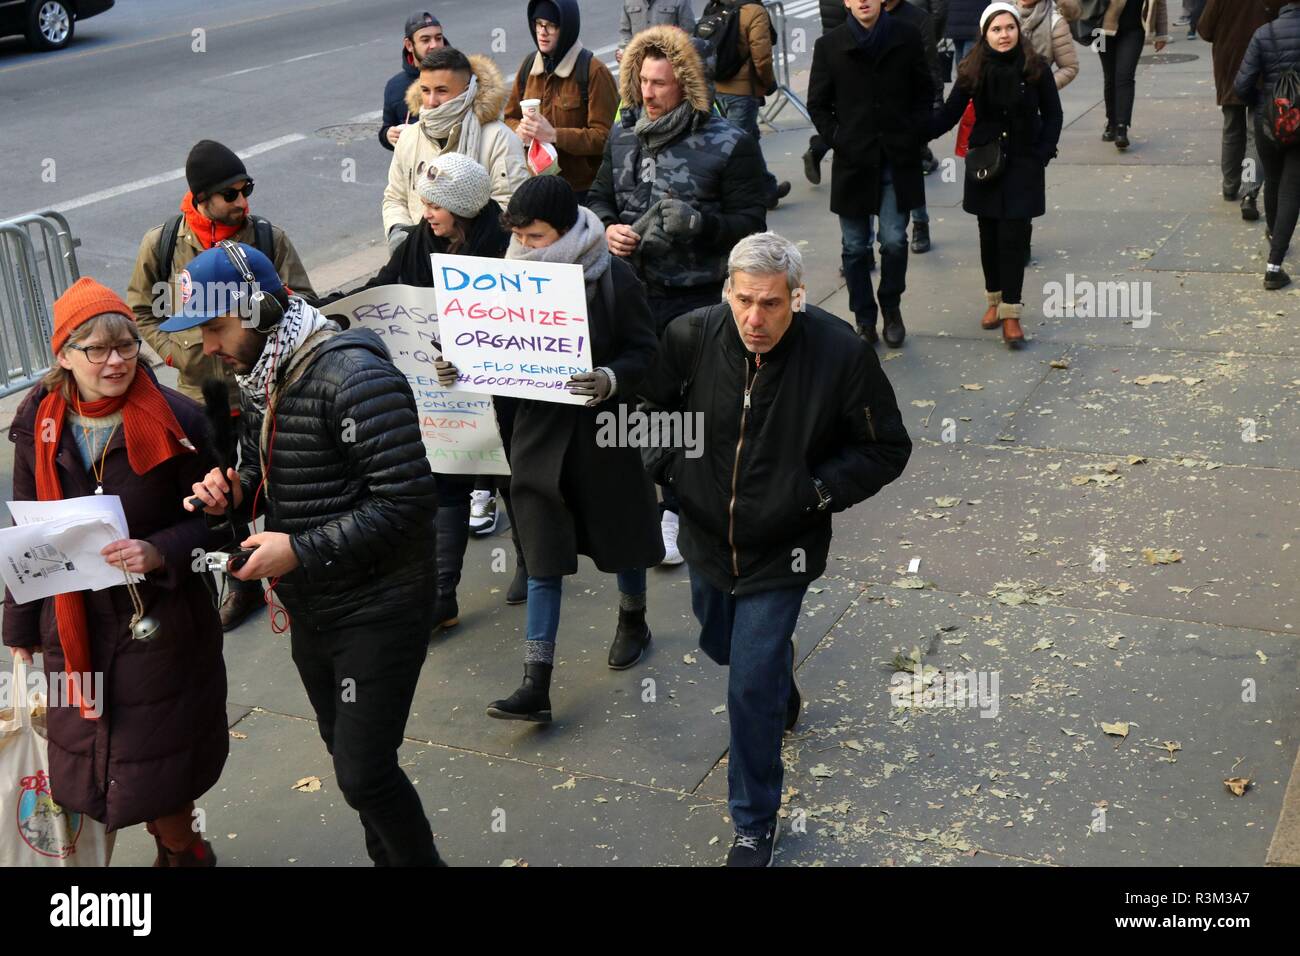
[459, 427]
[513, 327]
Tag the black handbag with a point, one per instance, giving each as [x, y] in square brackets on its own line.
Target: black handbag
[985, 164]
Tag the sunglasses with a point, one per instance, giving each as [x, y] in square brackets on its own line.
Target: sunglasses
[229, 194]
[98, 354]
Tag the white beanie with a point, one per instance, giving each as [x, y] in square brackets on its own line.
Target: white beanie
[457, 184]
[993, 9]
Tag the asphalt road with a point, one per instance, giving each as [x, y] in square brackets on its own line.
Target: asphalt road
[300, 83]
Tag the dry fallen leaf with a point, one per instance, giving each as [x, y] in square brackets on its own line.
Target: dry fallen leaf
[1059, 363]
[570, 784]
[821, 771]
[1154, 379]
[1119, 729]
[238, 736]
[974, 387]
[1162, 555]
[307, 785]
[1237, 785]
[947, 502]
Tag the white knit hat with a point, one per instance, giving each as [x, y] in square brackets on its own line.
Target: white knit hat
[457, 184]
[993, 9]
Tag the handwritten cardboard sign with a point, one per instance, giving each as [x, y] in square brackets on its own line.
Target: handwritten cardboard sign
[513, 328]
[459, 427]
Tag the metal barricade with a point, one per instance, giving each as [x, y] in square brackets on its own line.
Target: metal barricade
[780, 63]
[38, 261]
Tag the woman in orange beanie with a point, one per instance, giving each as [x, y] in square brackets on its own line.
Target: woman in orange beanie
[144, 732]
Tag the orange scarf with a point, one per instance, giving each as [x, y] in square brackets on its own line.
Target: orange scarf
[153, 435]
[205, 230]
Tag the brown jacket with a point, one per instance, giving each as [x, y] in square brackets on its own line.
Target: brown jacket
[1229, 25]
[757, 77]
[184, 350]
[161, 740]
[580, 133]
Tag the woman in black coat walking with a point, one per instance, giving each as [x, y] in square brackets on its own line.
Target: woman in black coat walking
[1273, 50]
[574, 490]
[460, 218]
[1017, 125]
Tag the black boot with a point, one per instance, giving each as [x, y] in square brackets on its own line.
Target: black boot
[1249, 208]
[532, 701]
[630, 639]
[893, 331]
[452, 534]
[920, 237]
[867, 328]
[1108, 134]
[1121, 137]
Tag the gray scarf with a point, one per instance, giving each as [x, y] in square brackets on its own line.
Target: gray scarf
[300, 323]
[655, 134]
[1037, 25]
[584, 245]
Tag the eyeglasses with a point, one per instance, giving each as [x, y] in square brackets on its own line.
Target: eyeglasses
[229, 194]
[98, 354]
[546, 26]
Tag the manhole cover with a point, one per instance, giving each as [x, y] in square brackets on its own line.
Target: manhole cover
[349, 132]
[1164, 59]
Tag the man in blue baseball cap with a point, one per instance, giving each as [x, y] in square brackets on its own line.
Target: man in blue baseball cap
[333, 456]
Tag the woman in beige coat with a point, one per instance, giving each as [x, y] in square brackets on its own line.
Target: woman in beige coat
[1047, 24]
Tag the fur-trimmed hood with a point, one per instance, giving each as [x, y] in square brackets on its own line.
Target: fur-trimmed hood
[685, 61]
[489, 101]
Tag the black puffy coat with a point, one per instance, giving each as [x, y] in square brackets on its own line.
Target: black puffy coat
[360, 512]
[819, 406]
[833, 14]
[872, 110]
[162, 738]
[570, 495]
[964, 18]
[1274, 49]
[1021, 191]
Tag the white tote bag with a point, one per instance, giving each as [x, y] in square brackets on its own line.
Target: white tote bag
[34, 830]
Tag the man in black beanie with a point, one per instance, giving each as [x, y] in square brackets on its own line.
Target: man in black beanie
[423, 32]
[215, 208]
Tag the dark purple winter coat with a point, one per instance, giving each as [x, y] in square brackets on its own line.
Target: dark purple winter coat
[162, 739]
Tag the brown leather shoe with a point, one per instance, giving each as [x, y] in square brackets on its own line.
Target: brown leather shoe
[1012, 334]
[239, 604]
[991, 318]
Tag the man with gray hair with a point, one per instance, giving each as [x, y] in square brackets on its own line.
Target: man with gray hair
[800, 422]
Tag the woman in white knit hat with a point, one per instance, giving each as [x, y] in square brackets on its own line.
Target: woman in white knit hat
[1017, 126]
[460, 218]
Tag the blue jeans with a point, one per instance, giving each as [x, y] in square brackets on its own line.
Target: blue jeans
[857, 238]
[751, 636]
[742, 111]
[961, 48]
[543, 621]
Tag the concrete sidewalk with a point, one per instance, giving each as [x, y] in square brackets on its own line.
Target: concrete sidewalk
[1038, 480]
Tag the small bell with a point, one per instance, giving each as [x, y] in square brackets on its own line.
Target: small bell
[143, 628]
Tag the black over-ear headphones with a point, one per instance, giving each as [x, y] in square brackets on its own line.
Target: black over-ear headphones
[267, 311]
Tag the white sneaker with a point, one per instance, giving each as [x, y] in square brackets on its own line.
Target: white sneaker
[669, 528]
[482, 513]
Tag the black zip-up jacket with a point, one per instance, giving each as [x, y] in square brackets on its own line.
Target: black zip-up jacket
[818, 405]
[349, 481]
[1274, 49]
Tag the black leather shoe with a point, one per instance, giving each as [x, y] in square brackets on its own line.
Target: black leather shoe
[1230, 194]
[893, 332]
[867, 329]
[782, 190]
[1121, 138]
[920, 237]
[1108, 134]
[631, 639]
[239, 604]
[517, 593]
[1249, 208]
[1276, 280]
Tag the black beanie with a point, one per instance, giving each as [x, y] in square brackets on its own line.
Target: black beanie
[547, 10]
[211, 167]
[548, 198]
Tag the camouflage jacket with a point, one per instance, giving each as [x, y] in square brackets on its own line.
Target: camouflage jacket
[713, 166]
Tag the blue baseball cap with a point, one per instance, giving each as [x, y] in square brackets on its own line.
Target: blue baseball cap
[212, 286]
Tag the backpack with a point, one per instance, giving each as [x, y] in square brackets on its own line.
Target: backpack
[1282, 112]
[263, 241]
[1087, 27]
[719, 27]
[581, 69]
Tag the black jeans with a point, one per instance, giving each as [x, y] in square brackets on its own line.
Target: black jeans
[1119, 63]
[1281, 192]
[1003, 245]
[664, 307]
[360, 682]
